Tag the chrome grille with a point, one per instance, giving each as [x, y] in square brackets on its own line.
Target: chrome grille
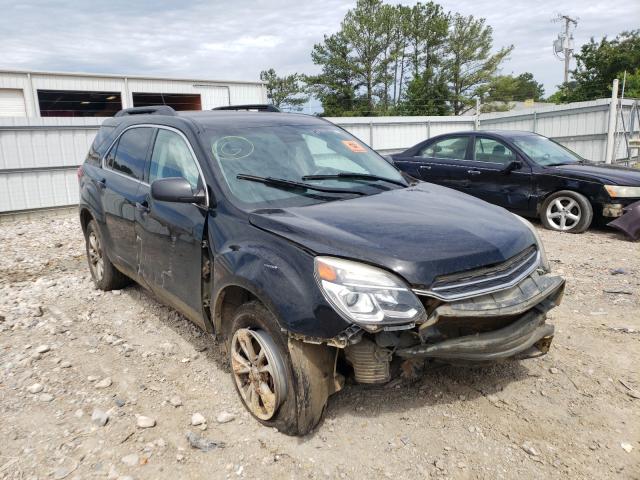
[484, 280]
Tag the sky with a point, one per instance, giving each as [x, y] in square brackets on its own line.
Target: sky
[235, 40]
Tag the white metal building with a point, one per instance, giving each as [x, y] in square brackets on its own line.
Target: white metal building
[57, 94]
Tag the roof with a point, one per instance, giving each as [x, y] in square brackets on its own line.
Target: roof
[502, 133]
[132, 77]
[221, 118]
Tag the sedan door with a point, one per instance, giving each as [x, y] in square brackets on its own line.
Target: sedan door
[171, 234]
[120, 183]
[440, 161]
[495, 178]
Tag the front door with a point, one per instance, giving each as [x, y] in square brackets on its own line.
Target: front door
[120, 184]
[489, 180]
[171, 234]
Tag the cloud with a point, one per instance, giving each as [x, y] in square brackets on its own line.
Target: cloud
[237, 39]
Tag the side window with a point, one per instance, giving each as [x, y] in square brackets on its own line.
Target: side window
[172, 158]
[492, 151]
[450, 148]
[131, 152]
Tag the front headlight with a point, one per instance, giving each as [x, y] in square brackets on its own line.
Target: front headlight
[544, 261]
[366, 295]
[620, 191]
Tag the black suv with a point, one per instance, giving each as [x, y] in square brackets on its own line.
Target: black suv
[307, 253]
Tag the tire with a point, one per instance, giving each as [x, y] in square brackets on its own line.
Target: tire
[285, 404]
[105, 276]
[566, 211]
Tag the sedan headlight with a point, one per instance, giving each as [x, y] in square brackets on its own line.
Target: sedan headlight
[366, 295]
[544, 261]
[621, 191]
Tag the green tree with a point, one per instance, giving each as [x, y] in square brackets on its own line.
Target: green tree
[503, 89]
[470, 63]
[365, 28]
[286, 92]
[336, 86]
[426, 34]
[598, 63]
[632, 84]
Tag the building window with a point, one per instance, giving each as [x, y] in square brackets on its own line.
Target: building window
[177, 101]
[70, 103]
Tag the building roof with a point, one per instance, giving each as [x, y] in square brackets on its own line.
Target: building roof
[134, 77]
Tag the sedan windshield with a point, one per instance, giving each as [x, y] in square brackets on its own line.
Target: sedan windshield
[269, 166]
[545, 151]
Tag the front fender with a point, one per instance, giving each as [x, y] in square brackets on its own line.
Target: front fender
[280, 275]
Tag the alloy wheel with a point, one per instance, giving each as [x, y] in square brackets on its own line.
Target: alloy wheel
[259, 372]
[564, 213]
[96, 259]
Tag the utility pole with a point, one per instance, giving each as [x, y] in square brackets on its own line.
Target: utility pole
[564, 43]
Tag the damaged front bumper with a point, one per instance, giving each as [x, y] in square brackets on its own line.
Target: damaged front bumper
[510, 323]
[522, 336]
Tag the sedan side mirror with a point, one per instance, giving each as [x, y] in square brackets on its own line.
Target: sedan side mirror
[511, 166]
[177, 190]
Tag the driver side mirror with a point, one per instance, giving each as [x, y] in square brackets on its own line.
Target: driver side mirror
[511, 166]
[176, 190]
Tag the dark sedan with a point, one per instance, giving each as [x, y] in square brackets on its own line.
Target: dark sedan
[526, 173]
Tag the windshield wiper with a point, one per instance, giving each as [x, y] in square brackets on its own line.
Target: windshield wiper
[355, 176]
[292, 185]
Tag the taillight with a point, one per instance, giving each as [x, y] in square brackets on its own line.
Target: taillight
[80, 172]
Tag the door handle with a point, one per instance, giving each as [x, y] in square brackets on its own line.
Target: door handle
[425, 167]
[474, 172]
[143, 207]
[102, 183]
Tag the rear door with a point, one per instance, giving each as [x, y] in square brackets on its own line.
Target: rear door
[171, 234]
[121, 178]
[442, 161]
[489, 180]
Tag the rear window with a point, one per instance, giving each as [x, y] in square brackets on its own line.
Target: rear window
[100, 144]
[129, 155]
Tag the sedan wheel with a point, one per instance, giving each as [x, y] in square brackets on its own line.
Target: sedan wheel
[564, 213]
[259, 372]
[96, 259]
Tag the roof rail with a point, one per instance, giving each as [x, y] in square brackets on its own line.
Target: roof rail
[257, 107]
[151, 110]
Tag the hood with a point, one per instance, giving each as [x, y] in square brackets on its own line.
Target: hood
[419, 232]
[609, 174]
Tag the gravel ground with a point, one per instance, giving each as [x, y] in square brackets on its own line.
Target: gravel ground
[73, 358]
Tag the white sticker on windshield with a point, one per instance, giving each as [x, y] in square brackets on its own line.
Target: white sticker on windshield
[232, 148]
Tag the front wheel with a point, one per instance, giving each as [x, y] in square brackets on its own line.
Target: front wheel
[275, 392]
[566, 211]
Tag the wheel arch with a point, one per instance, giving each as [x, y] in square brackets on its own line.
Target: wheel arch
[85, 217]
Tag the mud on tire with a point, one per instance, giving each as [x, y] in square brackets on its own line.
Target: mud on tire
[302, 396]
[105, 276]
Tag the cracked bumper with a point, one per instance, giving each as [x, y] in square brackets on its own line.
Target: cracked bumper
[525, 337]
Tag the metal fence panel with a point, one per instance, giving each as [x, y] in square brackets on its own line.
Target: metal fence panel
[39, 156]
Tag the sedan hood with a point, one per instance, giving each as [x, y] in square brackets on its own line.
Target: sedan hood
[608, 174]
[419, 232]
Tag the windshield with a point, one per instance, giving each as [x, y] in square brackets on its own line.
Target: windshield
[545, 151]
[297, 153]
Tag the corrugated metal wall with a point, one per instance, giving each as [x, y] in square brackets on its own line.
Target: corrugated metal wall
[39, 156]
[387, 134]
[580, 126]
[213, 93]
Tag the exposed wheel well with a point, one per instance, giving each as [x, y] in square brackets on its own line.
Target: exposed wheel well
[85, 218]
[228, 301]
